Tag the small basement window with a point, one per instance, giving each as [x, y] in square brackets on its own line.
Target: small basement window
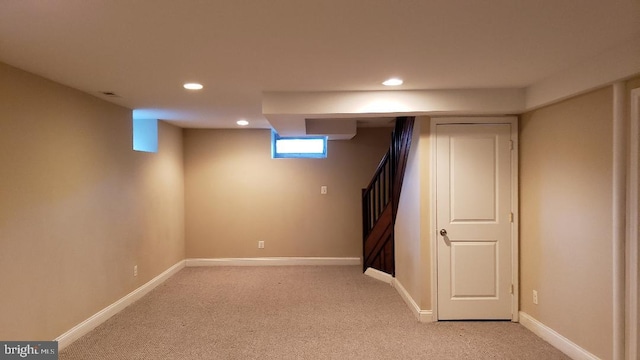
[145, 135]
[314, 147]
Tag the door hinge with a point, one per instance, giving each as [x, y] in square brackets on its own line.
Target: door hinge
[511, 289]
[511, 217]
[511, 144]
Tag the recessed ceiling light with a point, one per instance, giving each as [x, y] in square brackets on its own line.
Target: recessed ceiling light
[242, 122]
[193, 86]
[392, 82]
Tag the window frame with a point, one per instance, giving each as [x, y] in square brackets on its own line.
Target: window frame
[275, 155]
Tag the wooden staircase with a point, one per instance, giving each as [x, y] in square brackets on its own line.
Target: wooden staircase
[380, 201]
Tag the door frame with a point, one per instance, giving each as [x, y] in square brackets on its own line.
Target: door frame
[433, 236]
[633, 236]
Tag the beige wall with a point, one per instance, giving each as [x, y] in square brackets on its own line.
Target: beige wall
[633, 83]
[565, 212]
[236, 195]
[412, 229]
[78, 207]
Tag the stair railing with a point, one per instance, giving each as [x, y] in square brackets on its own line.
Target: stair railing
[380, 200]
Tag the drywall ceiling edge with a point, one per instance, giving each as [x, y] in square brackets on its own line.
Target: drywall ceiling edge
[618, 63]
[287, 111]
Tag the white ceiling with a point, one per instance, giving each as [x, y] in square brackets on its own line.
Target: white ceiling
[144, 50]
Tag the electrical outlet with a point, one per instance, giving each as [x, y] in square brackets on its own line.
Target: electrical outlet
[261, 244]
[135, 270]
[323, 189]
[535, 297]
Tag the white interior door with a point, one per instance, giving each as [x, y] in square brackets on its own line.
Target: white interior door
[474, 220]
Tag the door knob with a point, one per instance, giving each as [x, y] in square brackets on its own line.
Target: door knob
[443, 232]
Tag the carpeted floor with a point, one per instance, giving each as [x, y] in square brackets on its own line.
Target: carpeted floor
[298, 312]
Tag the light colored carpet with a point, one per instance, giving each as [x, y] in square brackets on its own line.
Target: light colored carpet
[298, 312]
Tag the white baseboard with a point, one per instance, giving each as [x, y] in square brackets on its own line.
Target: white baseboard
[552, 337]
[103, 315]
[423, 316]
[379, 275]
[274, 261]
